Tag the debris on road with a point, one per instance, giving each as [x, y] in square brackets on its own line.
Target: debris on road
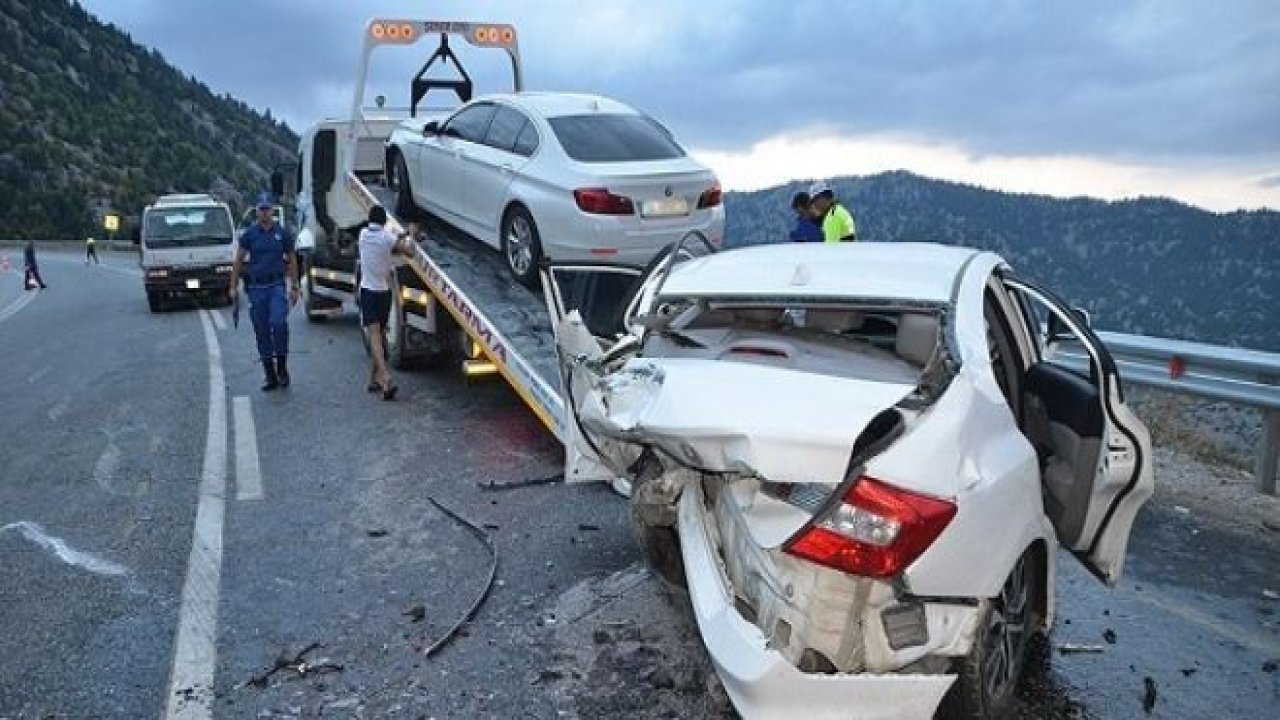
[1271, 594]
[415, 613]
[377, 533]
[488, 585]
[298, 663]
[1270, 666]
[492, 485]
[1109, 635]
[1076, 648]
[1189, 671]
[585, 527]
[1149, 697]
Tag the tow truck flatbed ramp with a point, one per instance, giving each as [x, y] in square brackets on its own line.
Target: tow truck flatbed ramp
[511, 325]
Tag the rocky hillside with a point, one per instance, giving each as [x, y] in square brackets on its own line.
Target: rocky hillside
[1150, 266]
[91, 122]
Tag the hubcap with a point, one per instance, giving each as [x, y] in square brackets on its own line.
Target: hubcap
[1006, 633]
[520, 245]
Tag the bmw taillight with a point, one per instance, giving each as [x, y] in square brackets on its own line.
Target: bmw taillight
[710, 197]
[877, 530]
[599, 201]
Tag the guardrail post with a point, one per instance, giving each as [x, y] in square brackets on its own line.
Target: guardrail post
[1268, 449]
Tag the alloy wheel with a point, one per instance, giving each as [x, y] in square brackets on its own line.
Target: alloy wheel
[1006, 634]
[519, 244]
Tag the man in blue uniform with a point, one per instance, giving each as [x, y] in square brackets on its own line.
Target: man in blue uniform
[266, 258]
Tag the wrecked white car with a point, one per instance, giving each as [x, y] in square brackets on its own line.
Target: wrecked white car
[858, 458]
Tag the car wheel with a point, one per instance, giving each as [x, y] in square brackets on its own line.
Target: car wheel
[521, 246]
[988, 676]
[154, 302]
[405, 207]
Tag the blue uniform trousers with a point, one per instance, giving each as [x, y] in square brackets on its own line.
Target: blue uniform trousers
[269, 310]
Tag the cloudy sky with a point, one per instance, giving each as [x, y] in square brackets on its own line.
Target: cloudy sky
[1105, 98]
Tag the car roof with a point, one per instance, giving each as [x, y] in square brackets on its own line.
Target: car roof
[891, 271]
[559, 104]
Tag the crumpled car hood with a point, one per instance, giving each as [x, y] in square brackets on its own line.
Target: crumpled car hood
[783, 425]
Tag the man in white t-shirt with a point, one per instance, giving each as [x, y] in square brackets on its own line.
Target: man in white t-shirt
[377, 245]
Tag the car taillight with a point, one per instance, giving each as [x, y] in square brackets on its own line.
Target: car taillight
[876, 531]
[599, 201]
[710, 197]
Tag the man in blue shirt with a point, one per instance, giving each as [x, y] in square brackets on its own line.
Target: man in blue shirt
[266, 258]
[807, 229]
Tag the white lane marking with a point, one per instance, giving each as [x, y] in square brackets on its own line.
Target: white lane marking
[248, 469]
[14, 307]
[195, 650]
[218, 320]
[65, 552]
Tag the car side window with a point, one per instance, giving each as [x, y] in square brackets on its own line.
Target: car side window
[1006, 363]
[471, 123]
[527, 141]
[505, 128]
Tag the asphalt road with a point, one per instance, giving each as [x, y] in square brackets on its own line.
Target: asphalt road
[105, 426]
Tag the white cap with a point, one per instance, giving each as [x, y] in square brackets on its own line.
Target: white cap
[818, 187]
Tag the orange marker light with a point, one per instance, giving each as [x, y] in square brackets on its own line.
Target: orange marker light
[508, 35]
[406, 31]
[377, 31]
[393, 32]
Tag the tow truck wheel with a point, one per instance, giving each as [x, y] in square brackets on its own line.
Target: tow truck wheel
[309, 294]
[989, 674]
[521, 247]
[397, 357]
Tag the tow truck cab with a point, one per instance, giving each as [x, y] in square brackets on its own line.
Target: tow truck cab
[187, 245]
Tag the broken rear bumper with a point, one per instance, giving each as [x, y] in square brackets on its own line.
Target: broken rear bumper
[760, 681]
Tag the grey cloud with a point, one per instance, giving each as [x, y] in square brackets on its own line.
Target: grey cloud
[1120, 80]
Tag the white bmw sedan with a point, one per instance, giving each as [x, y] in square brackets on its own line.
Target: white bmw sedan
[861, 460]
[560, 176]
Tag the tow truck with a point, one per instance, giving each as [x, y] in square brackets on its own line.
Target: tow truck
[453, 300]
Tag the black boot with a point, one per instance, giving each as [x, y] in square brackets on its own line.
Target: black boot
[282, 370]
[271, 382]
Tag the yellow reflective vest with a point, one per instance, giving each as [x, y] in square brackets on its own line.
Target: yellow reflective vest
[837, 225]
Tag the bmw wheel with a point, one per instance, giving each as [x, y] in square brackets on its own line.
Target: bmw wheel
[521, 246]
[405, 206]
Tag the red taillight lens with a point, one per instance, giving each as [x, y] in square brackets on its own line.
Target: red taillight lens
[710, 197]
[600, 201]
[877, 531]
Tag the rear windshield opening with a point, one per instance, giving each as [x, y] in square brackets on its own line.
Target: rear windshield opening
[884, 343]
[614, 138]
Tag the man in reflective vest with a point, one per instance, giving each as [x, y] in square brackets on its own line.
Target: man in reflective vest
[266, 258]
[837, 222]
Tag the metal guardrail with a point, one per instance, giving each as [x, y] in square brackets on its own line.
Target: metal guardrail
[1234, 375]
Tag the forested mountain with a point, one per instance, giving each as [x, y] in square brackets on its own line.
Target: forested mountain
[91, 122]
[1150, 266]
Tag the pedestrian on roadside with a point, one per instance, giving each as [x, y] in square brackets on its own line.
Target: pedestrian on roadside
[31, 270]
[836, 220]
[377, 245]
[90, 251]
[806, 229]
[267, 260]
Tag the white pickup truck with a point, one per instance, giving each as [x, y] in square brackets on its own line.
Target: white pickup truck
[187, 243]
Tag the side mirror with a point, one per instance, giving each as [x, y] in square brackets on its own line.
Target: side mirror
[431, 128]
[277, 183]
[136, 235]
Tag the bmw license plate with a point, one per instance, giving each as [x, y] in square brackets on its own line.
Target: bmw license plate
[664, 208]
[193, 284]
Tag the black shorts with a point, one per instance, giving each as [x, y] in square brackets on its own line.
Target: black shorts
[375, 306]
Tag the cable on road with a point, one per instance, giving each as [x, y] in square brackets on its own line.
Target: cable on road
[493, 572]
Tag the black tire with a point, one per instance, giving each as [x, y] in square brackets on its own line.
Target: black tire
[521, 246]
[154, 301]
[987, 682]
[406, 208]
[308, 292]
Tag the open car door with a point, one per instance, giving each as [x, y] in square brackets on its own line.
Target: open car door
[1095, 455]
[596, 311]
